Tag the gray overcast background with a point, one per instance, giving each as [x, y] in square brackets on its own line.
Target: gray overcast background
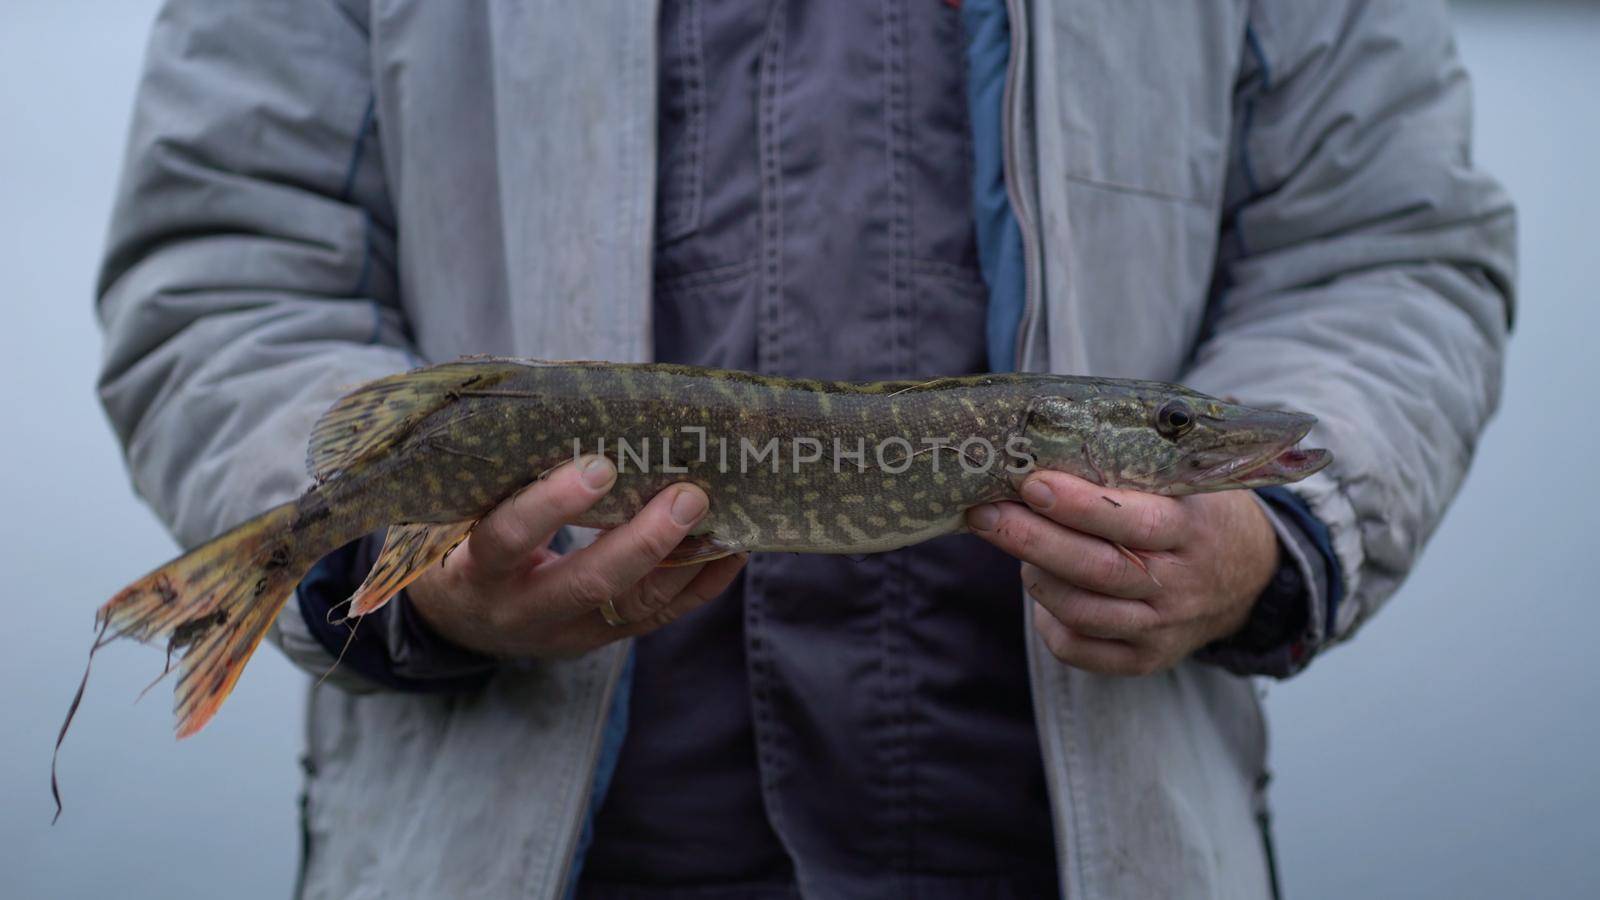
[1451, 750]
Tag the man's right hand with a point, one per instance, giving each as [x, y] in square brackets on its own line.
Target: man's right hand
[503, 592]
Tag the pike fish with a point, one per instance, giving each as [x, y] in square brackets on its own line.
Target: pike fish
[790, 465]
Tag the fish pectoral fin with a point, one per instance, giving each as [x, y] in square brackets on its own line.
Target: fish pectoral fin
[408, 550]
[700, 548]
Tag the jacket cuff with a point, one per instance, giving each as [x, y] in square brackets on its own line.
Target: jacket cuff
[392, 646]
[1291, 619]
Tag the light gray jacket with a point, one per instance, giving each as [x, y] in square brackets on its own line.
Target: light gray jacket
[320, 192]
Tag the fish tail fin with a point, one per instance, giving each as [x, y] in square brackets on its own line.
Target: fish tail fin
[213, 605]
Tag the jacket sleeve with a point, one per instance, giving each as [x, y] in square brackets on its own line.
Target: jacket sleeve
[1365, 274]
[249, 275]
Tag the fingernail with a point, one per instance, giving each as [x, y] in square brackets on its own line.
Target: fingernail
[597, 472]
[688, 506]
[1038, 494]
[984, 518]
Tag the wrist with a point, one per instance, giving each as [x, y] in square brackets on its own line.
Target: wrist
[429, 600]
[1282, 631]
[1266, 554]
[390, 648]
[1255, 562]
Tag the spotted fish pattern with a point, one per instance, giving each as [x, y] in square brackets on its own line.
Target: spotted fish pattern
[789, 465]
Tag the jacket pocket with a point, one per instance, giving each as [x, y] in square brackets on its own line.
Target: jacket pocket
[1140, 91]
[681, 130]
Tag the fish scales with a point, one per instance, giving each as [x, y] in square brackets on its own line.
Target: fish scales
[788, 465]
[749, 442]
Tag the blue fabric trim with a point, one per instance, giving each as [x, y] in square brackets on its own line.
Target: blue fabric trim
[352, 168]
[611, 739]
[1253, 40]
[364, 649]
[377, 323]
[987, 27]
[365, 274]
[1247, 166]
[1292, 507]
[359, 150]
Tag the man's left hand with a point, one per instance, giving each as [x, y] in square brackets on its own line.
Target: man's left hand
[1206, 558]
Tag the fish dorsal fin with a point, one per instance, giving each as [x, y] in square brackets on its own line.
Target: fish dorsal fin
[408, 550]
[380, 413]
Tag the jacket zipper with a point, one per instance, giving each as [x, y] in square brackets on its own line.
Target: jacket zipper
[1057, 780]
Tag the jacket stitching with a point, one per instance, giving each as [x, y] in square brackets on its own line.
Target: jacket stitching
[768, 351]
[1121, 188]
[686, 179]
[357, 152]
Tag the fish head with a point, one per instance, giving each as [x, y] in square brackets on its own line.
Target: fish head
[1167, 439]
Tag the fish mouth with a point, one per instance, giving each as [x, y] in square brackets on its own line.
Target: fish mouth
[1270, 462]
[1284, 466]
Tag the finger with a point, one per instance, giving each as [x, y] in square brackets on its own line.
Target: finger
[1087, 561]
[503, 541]
[717, 576]
[712, 580]
[1088, 613]
[654, 592]
[623, 556]
[1092, 654]
[1130, 518]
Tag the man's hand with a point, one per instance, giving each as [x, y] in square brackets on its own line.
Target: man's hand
[505, 593]
[1208, 557]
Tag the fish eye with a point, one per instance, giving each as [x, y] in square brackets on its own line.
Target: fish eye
[1174, 419]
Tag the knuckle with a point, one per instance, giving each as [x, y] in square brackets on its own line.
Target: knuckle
[587, 588]
[1110, 567]
[1144, 587]
[653, 598]
[1131, 619]
[1077, 614]
[1024, 536]
[663, 617]
[1059, 642]
[1149, 526]
[1102, 622]
[1040, 587]
[657, 619]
